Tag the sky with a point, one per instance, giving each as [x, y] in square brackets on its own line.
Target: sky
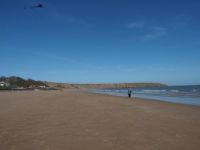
[101, 41]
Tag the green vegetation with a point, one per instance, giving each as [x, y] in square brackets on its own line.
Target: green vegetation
[60, 86]
[14, 82]
[17, 82]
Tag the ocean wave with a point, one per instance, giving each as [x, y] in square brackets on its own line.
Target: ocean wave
[181, 91]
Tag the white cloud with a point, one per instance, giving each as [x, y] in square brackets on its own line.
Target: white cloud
[147, 31]
[61, 16]
[67, 18]
[137, 24]
[157, 32]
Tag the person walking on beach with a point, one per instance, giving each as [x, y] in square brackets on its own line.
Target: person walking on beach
[129, 93]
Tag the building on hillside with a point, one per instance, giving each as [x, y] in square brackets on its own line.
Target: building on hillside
[42, 86]
[3, 84]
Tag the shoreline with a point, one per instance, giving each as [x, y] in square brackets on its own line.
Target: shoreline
[169, 99]
[76, 119]
[148, 100]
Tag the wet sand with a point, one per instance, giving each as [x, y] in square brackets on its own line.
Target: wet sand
[76, 120]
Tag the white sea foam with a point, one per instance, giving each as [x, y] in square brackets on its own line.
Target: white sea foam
[181, 94]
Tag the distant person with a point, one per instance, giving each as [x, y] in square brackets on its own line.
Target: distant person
[129, 93]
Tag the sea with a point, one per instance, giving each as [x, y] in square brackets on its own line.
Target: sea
[189, 94]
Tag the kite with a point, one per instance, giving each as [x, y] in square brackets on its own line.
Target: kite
[38, 6]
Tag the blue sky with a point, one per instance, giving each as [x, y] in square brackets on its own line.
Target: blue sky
[98, 41]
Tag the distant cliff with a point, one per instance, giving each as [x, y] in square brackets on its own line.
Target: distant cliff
[121, 85]
[109, 85]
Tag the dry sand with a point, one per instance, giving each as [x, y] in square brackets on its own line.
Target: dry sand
[75, 120]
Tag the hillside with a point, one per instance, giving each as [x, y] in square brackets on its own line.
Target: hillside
[109, 85]
[18, 82]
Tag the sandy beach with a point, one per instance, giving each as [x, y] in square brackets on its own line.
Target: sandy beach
[76, 120]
